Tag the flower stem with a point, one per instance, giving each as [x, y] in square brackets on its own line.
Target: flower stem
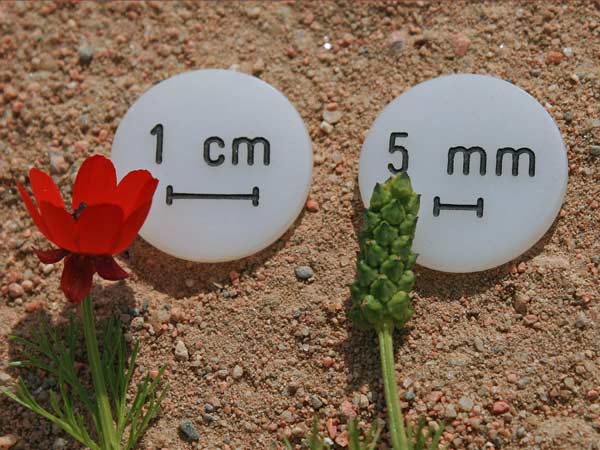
[107, 431]
[386, 351]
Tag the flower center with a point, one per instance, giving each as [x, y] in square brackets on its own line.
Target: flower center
[79, 210]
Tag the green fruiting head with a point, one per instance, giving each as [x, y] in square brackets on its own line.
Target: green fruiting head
[384, 277]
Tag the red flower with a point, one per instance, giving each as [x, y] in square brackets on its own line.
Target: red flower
[106, 218]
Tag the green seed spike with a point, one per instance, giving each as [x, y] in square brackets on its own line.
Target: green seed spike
[384, 276]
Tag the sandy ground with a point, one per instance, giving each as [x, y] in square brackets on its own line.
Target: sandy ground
[509, 358]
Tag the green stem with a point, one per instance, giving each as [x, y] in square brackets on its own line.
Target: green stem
[108, 437]
[386, 351]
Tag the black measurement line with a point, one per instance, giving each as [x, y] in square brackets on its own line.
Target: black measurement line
[254, 196]
[437, 207]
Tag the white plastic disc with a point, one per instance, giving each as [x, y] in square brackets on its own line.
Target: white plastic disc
[233, 159]
[487, 159]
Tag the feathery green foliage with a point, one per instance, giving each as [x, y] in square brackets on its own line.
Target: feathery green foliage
[73, 407]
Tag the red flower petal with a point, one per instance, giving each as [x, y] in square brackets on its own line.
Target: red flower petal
[51, 256]
[136, 188]
[77, 275]
[99, 229]
[131, 227]
[44, 189]
[109, 269]
[96, 182]
[33, 212]
[61, 226]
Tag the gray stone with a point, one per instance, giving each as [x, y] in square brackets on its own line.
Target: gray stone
[85, 53]
[326, 127]
[137, 323]
[304, 272]
[450, 412]
[581, 321]
[181, 351]
[60, 444]
[332, 117]
[188, 431]
[316, 402]
[569, 382]
[478, 344]
[287, 416]
[465, 403]
[5, 378]
[208, 408]
[595, 150]
[237, 373]
[520, 303]
[15, 290]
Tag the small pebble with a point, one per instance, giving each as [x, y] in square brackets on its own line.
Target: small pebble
[500, 407]
[569, 383]
[304, 272]
[60, 444]
[465, 403]
[595, 150]
[181, 351]
[316, 402]
[520, 303]
[312, 205]
[85, 53]
[326, 127]
[237, 373]
[450, 411]
[554, 57]
[188, 431]
[8, 440]
[332, 117]
[568, 116]
[15, 290]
